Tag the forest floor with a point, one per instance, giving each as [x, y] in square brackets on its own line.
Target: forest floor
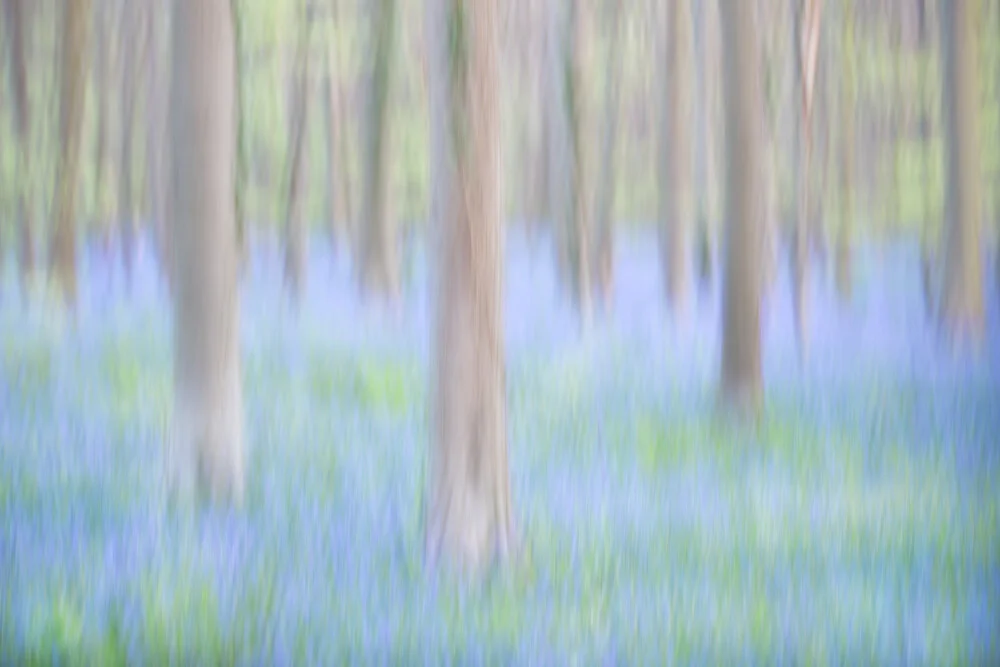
[856, 522]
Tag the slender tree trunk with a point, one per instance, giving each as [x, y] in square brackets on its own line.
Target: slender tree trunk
[962, 296]
[206, 456]
[103, 28]
[604, 251]
[295, 224]
[157, 85]
[18, 30]
[676, 193]
[126, 206]
[741, 356]
[567, 175]
[338, 204]
[706, 159]
[76, 19]
[380, 263]
[847, 104]
[469, 521]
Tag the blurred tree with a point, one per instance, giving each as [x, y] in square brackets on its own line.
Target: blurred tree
[707, 98]
[62, 257]
[961, 300]
[379, 257]
[807, 35]
[297, 161]
[130, 26]
[206, 453]
[532, 41]
[848, 101]
[604, 241]
[742, 383]
[16, 22]
[157, 87]
[676, 155]
[104, 18]
[468, 521]
[569, 191]
[338, 183]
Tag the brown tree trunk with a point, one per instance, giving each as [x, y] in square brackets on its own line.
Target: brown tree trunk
[76, 19]
[103, 28]
[742, 382]
[18, 31]
[206, 454]
[295, 224]
[468, 521]
[379, 263]
[962, 296]
[567, 157]
[338, 200]
[677, 166]
[126, 207]
[604, 242]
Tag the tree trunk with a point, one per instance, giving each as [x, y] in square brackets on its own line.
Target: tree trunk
[847, 103]
[18, 30]
[295, 224]
[567, 175]
[742, 382]
[206, 456]
[338, 200]
[126, 208]
[707, 172]
[380, 263]
[157, 86]
[604, 251]
[103, 27]
[962, 297]
[76, 19]
[676, 193]
[468, 521]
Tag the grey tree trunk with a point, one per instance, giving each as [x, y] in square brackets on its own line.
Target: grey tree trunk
[677, 166]
[157, 87]
[295, 224]
[604, 242]
[18, 30]
[130, 25]
[707, 120]
[962, 295]
[379, 255]
[848, 97]
[206, 451]
[62, 256]
[742, 383]
[103, 28]
[338, 201]
[569, 189]
[468, 520]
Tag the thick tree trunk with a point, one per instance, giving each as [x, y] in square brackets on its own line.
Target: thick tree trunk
[206, 455]
[567, 158]
[742, 382]
[18, 31]
[126, 206]
[379, 263]
[677, 166]
[468, 521]
[962, 296]
[604, 242]
[295, 224]
[76, 19]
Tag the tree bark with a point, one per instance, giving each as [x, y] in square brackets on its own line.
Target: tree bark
[742, 382]
[295, 224]
[567, 157]
[206, 454]
[677, 166]
[468, 521]
[604, 250]
[962, 296]
[76, 19]
[18, 31]
[380, 263]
